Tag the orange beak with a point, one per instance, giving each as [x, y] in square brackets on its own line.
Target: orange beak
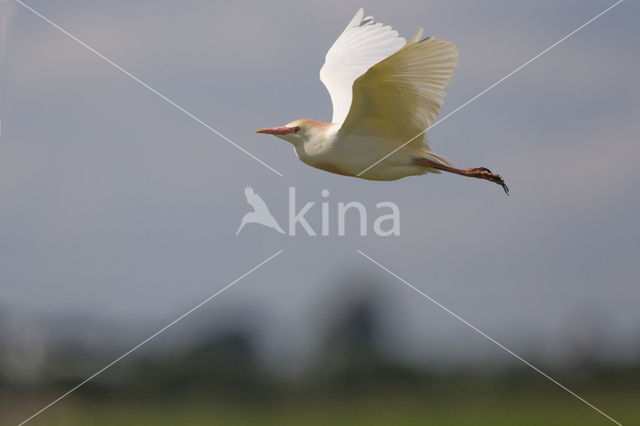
[277, 130]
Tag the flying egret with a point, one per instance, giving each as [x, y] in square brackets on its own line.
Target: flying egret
[385, 93]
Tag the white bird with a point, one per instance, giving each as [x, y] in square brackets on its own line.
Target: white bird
[260, 213]
[385, 92]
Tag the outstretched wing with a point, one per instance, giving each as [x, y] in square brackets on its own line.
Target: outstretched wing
[254, 200]
[401, 96]
[362, 44]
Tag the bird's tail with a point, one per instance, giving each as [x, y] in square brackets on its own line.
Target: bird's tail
[432, 160]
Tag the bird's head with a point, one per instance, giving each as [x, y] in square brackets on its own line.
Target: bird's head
[297, 132]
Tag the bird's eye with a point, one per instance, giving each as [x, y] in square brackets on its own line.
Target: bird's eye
[296, 129]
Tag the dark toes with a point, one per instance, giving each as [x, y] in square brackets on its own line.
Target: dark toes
[480, 169]
[504, 186]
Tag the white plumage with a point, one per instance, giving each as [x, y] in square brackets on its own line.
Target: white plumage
[363, 43]
[385, 92]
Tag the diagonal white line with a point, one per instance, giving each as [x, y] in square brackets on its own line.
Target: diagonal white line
[136, 347]
[482, 333]
[493, 85]
[145, 85]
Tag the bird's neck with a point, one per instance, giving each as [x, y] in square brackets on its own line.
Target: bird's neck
[319, 135]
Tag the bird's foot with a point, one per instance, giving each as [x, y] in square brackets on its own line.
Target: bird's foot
[486, 174]
[479, 169]
[476, 172]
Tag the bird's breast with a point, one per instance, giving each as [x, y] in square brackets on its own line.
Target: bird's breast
[330, 167]
[321, 154]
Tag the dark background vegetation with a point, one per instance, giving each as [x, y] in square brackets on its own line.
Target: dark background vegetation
[118, 213]
[221, 378]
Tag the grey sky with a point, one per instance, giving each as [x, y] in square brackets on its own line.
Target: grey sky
[114, 204]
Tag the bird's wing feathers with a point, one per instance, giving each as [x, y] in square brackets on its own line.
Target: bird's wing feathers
[362, 44]
[254, 199]
[400, 96]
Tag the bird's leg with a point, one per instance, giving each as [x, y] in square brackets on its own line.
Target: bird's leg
[475, 172]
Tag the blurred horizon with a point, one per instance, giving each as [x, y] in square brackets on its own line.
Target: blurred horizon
[220, 377]
[118, 212]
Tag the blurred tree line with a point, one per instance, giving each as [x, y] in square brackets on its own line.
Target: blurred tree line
[350, 359]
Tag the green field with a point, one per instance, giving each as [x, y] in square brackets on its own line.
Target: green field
[553, 408]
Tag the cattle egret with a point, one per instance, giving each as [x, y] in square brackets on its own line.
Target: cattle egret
[385, 92]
